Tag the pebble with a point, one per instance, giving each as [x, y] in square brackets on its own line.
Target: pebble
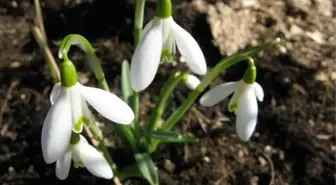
[169, 166]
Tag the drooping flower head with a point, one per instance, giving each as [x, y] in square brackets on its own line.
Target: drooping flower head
[83, 155]
[158, 43]
[69, 112]
[243, 102]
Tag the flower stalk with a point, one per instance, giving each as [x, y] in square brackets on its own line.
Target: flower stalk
[207, 79]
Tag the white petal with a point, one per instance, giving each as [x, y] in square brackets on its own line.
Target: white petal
[258, 91]
[166, 28]
[77, 104]
[147, 27]
[108, 105]
[146, 58]
[63, 166]
[189, 49]
[56, 130]
[218, 93]
[241, 88]
[247, 114]
[95, 162]
[192, 81]
[55, 93]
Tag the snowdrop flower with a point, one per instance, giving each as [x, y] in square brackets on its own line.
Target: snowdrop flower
[69, 112]
[243, 102]
[83, 155]
[191, 81]
[158, 43]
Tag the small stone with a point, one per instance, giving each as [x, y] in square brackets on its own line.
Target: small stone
[248, 3]
[295, 30]
[268, 148]
[333, 148]
[206, 159]
[23, 96]
[169, 166]
[241, 153]
[262, 161]
[15, 64]
[283, 49]
[14, 4]
[316, 36]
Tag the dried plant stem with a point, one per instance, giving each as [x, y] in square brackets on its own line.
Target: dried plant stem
[55, 73]
[39, 19]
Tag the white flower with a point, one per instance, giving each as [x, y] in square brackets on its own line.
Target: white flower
[243, 102]
[83, 155]
[70, 112]
[191, 81]
[158, 40]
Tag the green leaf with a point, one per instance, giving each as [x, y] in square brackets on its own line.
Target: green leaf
[147, 168]
[127, 90]
[172, 137]
[128, 172]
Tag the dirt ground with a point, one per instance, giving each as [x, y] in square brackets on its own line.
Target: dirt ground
[294, 142]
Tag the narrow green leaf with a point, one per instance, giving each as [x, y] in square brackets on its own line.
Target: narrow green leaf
[172, 137]
[147, 168]
[128, 172]
[127, 91]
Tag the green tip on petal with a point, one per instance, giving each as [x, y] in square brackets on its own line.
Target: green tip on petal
[166, 56]
[79, 124]
[68, 74]
[163, 8]
[233, 107]
[78, 164]
[74, 138]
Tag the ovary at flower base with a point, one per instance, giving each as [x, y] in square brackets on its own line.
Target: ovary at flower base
[83, 155]
[158, 44]
[69, 112]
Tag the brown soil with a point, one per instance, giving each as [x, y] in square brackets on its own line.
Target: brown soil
[294, 142]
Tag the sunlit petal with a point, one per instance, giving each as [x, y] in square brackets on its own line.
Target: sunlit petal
[55, 93]
[94, 161]
[258, 91]
[108, 105]
[63, 166]
[218, 93]
[189, 49]
[247, 114]
[56, 130]
[146, 58]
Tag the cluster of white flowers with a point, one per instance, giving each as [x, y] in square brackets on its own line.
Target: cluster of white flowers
[68, 114]
[61, 139]
[158, 41]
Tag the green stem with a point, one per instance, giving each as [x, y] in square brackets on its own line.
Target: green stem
[84, 44]
[208, 78]
[166, 91]
[136, 110]
[138, 20]
[138, 24]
